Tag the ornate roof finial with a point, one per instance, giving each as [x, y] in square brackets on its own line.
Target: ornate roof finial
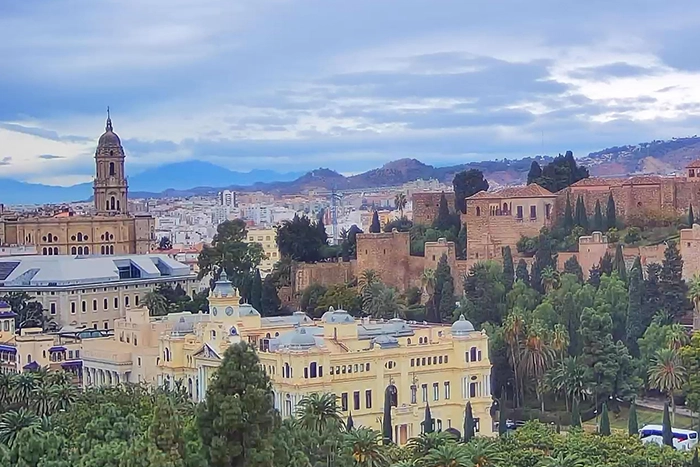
[109, 121]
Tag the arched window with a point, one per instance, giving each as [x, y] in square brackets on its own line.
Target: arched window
[478, 211]
[72, 250]
[112, 203]
[118, 208]
[166, 354]
[111, 168]
[102, 250]
[49, 238]
[50, 251]
[80, 250]
[472, 354]
[86, 250]
[43, 251]
[55, 250]
[111, 249]
[107, 205]
[80, 237]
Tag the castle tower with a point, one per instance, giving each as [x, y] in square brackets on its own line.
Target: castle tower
[110, 185]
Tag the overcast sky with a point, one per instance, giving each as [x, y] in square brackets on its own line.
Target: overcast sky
[345, 84]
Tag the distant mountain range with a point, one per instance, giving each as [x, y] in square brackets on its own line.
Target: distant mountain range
[202, 178]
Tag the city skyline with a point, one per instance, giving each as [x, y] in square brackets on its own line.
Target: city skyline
[294, 86]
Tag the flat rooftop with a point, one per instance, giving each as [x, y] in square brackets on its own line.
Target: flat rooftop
[70, 270]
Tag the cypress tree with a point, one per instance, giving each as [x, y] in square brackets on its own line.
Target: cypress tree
[468, 423]
[610, 214]
[568, 215]
[350, 424]
[443, 221]
[508, 271]
[256, 292]
[580, 215]
[619, 263]
[632, 424]
[571, 266]
[598, 225]
[634, 326]
[521, 272]
[387, 426]
[535, 173]
[427, 420]
[606, 264]
[502, 420]
[462, 242]
[376, 227]
[674, 290]
[604, 421]
[575, 415]
[594, 276]
[666, 431]
[691, 216]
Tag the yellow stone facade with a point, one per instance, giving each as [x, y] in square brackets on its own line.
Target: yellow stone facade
[357, 360]
[111, 231]
[268, 239]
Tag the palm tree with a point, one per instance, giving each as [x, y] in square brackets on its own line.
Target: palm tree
[562, 460]
[484, 452]
[677, 337]
[318, 412]
[400, 202]
[427, 280]
[559, 340]
[514, 327]
[550, 279]
[363, 444]
[421, 445]
[448, 455]
[367, 278]
[156, 303]
[694, 296]
[42, 400]
[6, 382]
[13, 422]
[667, 374]
[569, 377]
[22, 387]
[59, 377]
[535, 358]
[402, 463]
[63, 396]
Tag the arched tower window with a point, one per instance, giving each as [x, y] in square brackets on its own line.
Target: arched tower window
[111, 167]
[112, 203]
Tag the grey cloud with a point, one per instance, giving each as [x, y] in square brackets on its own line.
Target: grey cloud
[612, 70]
[50, 157]
[6, 160]
[43, 133]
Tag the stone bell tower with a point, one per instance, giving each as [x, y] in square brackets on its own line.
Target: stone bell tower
[110, 187]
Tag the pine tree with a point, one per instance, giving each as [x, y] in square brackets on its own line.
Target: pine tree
[610, 214]
[502, 419]
[571, 266]
[535, 173]
[387, 426]
[375, 227]
[666, 431]
[632, 424]
[674, 290]
[508, 271]
[427, 420]
[598, 225]
[606, 264]
[468, 423]
[462, 242]
[691, 216]
[237, 418]
[166, 431]
[604, 421]
[443, 221]
[256, 292]
[521, 273]
[633, 328]
[575, 415]
[568, 215]
[619, 263]
[594, 276]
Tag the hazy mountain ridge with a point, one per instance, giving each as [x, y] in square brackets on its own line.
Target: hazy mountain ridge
[192, 178]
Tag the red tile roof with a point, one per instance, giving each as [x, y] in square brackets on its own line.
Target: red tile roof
[694, 165]
[532, 190]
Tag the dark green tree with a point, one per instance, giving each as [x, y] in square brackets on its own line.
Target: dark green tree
[462, 242]
[444, 220]
[301, 239]
[535, 173]
[674, 290]
[521, 272]
[443, 292]
[691, 216]
[653, 300]
[508, 269]
[568, 215]
[666, 431]
[468, 423]
[634, 329]
[166, 431]
[256, 291]
[465, 184]
[604, 421]
[352, 240]
[502, 419]
[427, 420]
[484, 294]
[606, 264]
[375, 227]
[610, 213]
[594, 276]
[231, 252]
[695, 462]
[575, 415]
[350, 424]
[571, 266]
[632, 424]
[387, 426]
[166, 244]
[598, 223]
[619, 265]
[270, 302]
[580, 215]
[237, 418]
[545, 258]
[560, 173]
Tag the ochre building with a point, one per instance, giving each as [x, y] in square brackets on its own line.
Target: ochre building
[111, 230]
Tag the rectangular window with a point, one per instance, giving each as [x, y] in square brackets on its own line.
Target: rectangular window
[413, 362]
[424, 388]
[53, 308]
[356, 400]
[691, 172]
[368, 399]
[547, 210]
[116, 303]
[519, 212]
[447, 390]
[105, 304]
[344, 402]
[136, 300]
[70, 354]
[436, 391]
[126, 301]
[94, 305]
[83, 306]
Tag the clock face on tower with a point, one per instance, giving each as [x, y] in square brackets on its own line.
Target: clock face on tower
[229, 311]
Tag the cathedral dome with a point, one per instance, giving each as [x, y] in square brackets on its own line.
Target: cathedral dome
[109, 137]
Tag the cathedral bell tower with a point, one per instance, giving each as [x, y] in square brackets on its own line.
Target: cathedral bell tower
[110, 187]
